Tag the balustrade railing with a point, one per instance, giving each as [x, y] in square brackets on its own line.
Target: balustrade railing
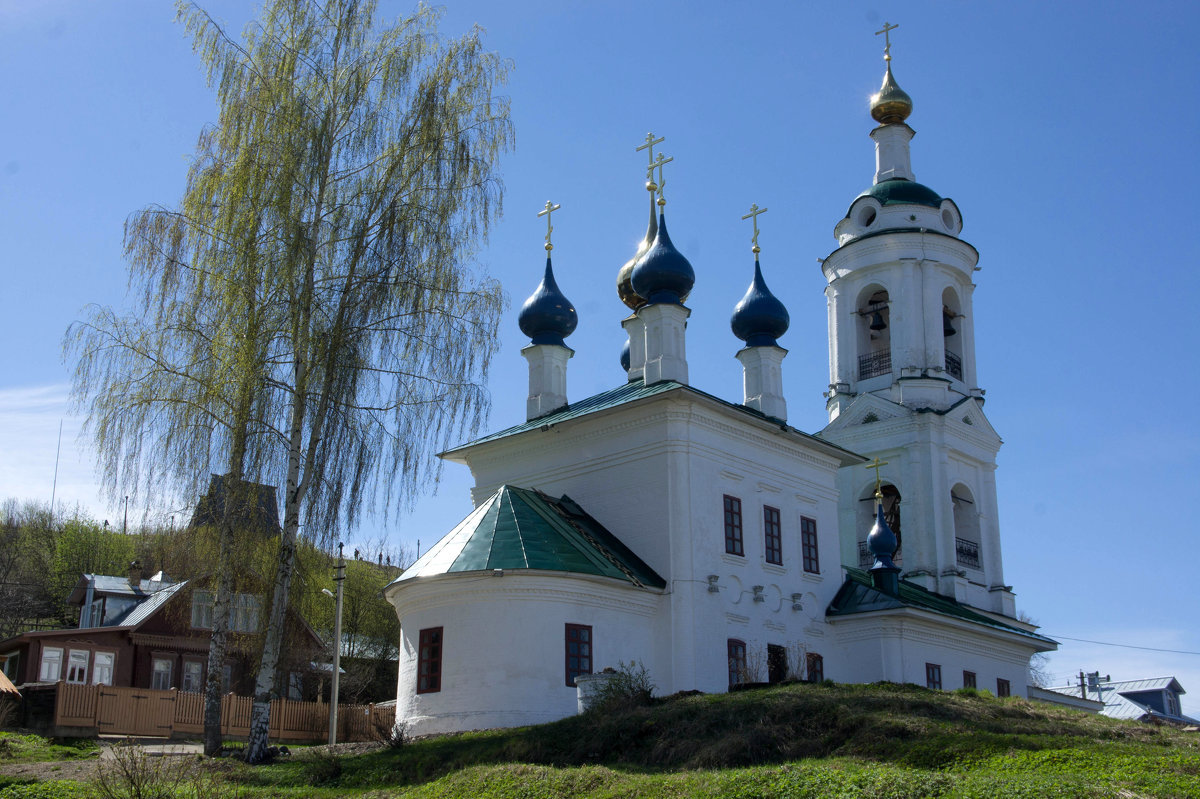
[874, 364]
[967, 552]
[954, 365]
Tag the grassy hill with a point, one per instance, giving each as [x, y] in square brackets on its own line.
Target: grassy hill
[784, 741]
[801, 740]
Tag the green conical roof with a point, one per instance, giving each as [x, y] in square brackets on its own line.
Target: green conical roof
[519, 529]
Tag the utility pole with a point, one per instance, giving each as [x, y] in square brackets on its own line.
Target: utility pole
[125, 524]
[339, 578]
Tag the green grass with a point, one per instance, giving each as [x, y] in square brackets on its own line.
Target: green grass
[16, 748]
[886, 741]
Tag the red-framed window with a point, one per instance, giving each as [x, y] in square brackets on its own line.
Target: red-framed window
[933, 676]
[429, 661]
[968, 679]
[773, 535]
[579, 651]
[814, 666]
[733, 526]
[736, 651]
[1003, 687]
[808, 545]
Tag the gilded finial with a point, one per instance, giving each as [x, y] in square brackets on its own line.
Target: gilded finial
[887, 39]
[891, 105]
[753, 215]
[649, 145]
[546, 212]
[877, 465]
[658, 164]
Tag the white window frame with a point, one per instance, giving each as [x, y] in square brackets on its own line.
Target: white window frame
[51, 656]
[77, 666]
[192, 669]
[156, 674]
[202, 609]
[103, 668]
[245, 614]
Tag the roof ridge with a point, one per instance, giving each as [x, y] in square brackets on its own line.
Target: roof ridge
[591, 539]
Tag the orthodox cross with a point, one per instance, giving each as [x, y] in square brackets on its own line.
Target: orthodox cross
[754, 212]
[887, 39]
[662, 183]
[546, 212]
[649, 145]
[877, 465]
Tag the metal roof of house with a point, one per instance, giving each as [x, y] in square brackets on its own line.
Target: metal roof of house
[521, 529]
[143, 610]
[1119, 705]
[857, 595]
[637, 390]
[110, 584]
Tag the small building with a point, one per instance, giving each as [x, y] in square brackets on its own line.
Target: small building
[151, 633]
[1154, 699]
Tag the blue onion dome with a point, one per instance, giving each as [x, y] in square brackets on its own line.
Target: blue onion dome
[760, 317]
[625, 291]
[625, 356]
[663, 275]
[882, 541]
[547, 317]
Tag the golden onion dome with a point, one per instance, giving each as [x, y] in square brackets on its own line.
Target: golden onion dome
[891, 105]
[625, 291]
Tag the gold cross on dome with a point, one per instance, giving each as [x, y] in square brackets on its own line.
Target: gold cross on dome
[754, 212]
[662, 183]
[877, 465]
[546, 212]
[887, 39]
[649, 145]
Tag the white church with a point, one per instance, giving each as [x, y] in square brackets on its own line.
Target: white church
[710, 541]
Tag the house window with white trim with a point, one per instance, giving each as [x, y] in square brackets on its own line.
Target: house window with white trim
[202, 609]
[51, 666]
[193, 676]
[102, 668]
[160, 674]
[733, 525]
[245, 614]
[77, 666]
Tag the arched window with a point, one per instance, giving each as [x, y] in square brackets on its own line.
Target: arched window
[874, 333]
[866, 520]
[966, 527]
[952, 333]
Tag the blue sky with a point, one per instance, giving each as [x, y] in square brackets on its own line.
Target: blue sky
[1065, 132]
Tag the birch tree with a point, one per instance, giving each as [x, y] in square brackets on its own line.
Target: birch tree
[332, 215]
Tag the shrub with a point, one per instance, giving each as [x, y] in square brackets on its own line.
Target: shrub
[628, 686]
[323, 767]
[129, 773]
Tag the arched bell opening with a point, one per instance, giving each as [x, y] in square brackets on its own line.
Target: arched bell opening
[874, 333]
[952, 321]
[866, 520]
[966, 528]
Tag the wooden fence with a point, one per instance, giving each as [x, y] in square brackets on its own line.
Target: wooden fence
[144, 712]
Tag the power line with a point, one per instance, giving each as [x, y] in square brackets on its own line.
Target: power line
[1125, 646]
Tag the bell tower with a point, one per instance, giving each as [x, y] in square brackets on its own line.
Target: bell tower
[903, 385]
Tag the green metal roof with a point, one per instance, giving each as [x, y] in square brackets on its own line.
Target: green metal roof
[857, 595]
[899, 191]
[631, 391]
[636, 390]
[518, 528]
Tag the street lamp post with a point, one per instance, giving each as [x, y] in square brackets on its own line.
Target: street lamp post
[339, 578]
